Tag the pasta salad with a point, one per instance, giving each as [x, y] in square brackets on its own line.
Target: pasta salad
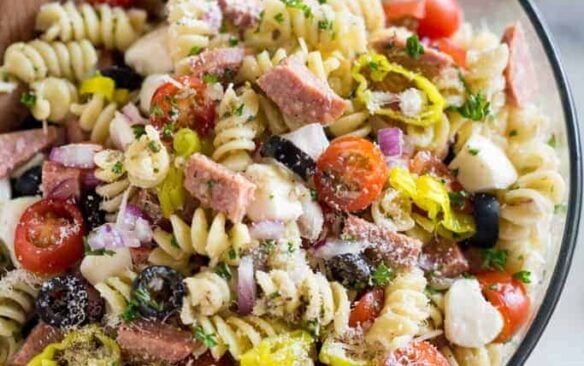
[271, 182]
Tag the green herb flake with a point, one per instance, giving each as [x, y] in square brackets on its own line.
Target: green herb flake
[233, 42]
[139, 131]
[279, 18]
[168, 130]
[457, 199]
[313, 194]
[553, 142]
[222, 269]
[513, 133]
[174, 242]
[494, 259]
[291, 248]
[208, 339]
[232, 254]
[91, 252]
[476, 107]
[523, 276]
[195, 51]
[118, 168]
[382, 275]
[325, 24]
[28, 99]
[414, 47]
[474, 152]
[270, 245]
[210, 79]
[239, 111]
[560, 209]
[154, 146]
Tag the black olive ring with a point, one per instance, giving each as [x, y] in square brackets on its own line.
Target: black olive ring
[63, 302]
[158, 291]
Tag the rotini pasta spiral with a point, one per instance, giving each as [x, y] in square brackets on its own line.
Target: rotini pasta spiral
[110, 169]
[435, 138]
[208, 294]
[146, 160]
[236, 129]
[254, 66]
[18, 291]
[53, 99]
[234, 334]
[112, 27]
[370, 10]
[116, 291]
[95, 117]
[393, 211]
[490, 355]
[312, 299]
[173, 249]
[38, 59]
[405, 310]
[353, 123]
[322, 28]
[190, 26]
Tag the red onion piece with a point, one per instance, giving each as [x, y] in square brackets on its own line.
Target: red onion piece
[390, 141]
[334, 247]
[75, 155]
[66, 189]
[267, 230]
[109, 236]
[131, 112]
[90, 180]
[246, 286]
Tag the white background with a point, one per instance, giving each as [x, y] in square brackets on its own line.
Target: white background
[563, 341]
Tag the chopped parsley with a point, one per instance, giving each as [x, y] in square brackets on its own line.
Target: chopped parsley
[279, 18]
[232, 254]
[523, 276]
[313, 327]
[156, 111]
[560, 209]
[28, 99]
[457, 198]
[414, 47]
[131, 312]
[118, 168]
[270, 245]
[91, 252]
[239, 111]
[314, 194]
[154, 146]
[474, 152]
[233, 42]
[382, 275]
[274, 295]
[494, 259]
[513, 133]
[195, 51]
[552, 141]
[139, 131]
[140, 296]
[222, 269]
[174, 242]
[291, 248]
[325, 24]
[210, 79]
[168, 130]
[300, 5]
[208, 339]
[476, 107]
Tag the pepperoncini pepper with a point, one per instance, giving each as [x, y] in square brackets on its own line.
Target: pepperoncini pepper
[87, 346]
[104, 86]
[379, 68]
[334, 354]
[431, 195]
[290, 349]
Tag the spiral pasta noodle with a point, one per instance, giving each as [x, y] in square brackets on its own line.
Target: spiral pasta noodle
[146, 160]
[321, 27]
[173, 249]
[235, 335]
[370, 10]
[18, 291]
[37, 60]
[313, 300]
[435, 138]
[393, 211]
[112, 27]
[117, 291]
[208, 294]
[95, 117]
[53, 99]
[190, 27]
[353, 123]
[236, 129]
[490, 355]
[404, 311]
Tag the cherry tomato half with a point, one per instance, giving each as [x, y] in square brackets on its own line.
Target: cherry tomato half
[367, 308]
[49, 236]
[450, 48]
[508, 295]
[350, 174]
[417, 353]
[442, 19]
[175, 107]
[399, 9]
[122, 3]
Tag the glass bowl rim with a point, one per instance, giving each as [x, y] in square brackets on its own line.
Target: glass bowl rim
[570, 235]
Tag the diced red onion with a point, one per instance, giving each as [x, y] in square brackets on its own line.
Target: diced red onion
[75, 155]
[334, 247]
[136, 223]
[109, 236]
[267, 230]
[246, 286]
[90, 180]
[390, 141]
[133, 114]
[66, 189]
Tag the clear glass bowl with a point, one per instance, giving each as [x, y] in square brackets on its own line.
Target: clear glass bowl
[556, 100]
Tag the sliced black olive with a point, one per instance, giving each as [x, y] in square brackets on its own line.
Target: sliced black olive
[352, 270]
[486, 213]
[63, 302]
[29, 183]
[124, 76]
[158, 292]
[290, 155]
[94, 216]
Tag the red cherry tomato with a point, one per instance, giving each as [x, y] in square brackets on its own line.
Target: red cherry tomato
[508, 295]
[122, 3]
[399, 9]
[367, 308]
[175, 107]
[350, 174]
[416, 353]
[49, 236]
[447, 46]
[442, 19]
